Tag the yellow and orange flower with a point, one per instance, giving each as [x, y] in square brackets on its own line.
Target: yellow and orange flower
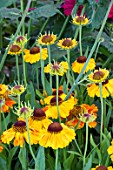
[47, 39]
[19, 133]
[102, 167]
[78, 64]
[39, 121]
[57, 68]
[56, 136]
[33, 55]
[67, 43]
[107, 89]
[5, 102]
[80, 20]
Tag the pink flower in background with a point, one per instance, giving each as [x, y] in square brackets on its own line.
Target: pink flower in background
[111, 13]
[69, 5]
[31, 9]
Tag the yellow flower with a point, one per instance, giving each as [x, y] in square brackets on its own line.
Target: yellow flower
[78, 64]
[19, 133]
[47, 39]
[98, 75]
[14, 50]
[110, 150]
[56, 68]
[38, 121]
[107, 89]
[20, 41]
[3, 89]
[47, 99]
[33, 55]
[64, 107]
[56, 136]
[17, 90]
[24, 111]
[101, 167]
[80, 20]
[67, 43]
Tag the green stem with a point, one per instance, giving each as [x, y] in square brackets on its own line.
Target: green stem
[102, 109]
[22, 11]
[1, 41]
[97, 50]
[24, 70]
[17, 31]
[37, 79]
[18, 101]
[56, 160]
[91, 52]
[27, 125]
[63, 27]
[57, 86]
[17, 67]
[86, 145]
[42, 69]
[76, 33]
[49, 56]
[68, 72]
[78, 147]
[80, 41]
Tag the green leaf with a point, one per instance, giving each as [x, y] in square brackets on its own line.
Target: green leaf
[39, 94]
[32, 96]
[22, 158]
[3, 164]
[4, 3]
[10, 157]
[96, 148]
[88, 164]
[40, 159]
[10, 13]
[68, 162]
[48, 10]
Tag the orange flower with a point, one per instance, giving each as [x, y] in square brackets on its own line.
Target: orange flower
[82, 114]
[6, 104]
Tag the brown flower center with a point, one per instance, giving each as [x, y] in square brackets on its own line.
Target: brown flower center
[98, 75]
[54, 100]
[54, 127]
[56, 66]
[101, 168]
[76, 111]
[19, 39]
[81, 59]
[39, 114]
[80, 19]
[34, 50]
[19, 126]
[59, 92]
[47, 39]
[67, 43]
[14, 48]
